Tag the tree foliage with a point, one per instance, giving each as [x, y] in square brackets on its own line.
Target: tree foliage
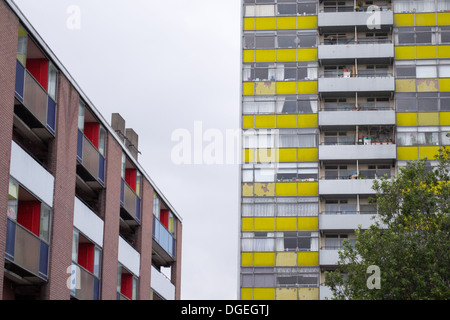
[409, 241]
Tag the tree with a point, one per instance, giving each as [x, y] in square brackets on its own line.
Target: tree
[409, 241]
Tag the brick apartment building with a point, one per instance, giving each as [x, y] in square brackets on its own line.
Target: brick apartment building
[79, 217]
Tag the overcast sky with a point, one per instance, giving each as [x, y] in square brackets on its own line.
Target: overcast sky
[164, 66]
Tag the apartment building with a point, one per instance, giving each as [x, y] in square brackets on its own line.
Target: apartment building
[334, 95]
[80, 217]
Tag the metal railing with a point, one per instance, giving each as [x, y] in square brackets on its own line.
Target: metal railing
[130, 201]
[90, 158]
[163, 237]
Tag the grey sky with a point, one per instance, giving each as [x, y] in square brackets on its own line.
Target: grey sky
[164, 65]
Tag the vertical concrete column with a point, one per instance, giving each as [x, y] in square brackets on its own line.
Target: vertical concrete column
[176, 268]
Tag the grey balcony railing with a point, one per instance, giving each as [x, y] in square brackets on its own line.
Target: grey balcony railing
[90, 158]
[163, 237]
[86, 286]
[130, 201]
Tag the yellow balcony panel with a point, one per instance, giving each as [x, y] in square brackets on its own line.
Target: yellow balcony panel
[286, 259]
[265, 121]
[308, 293]
[308, 223]
[426, 19]
[247, 224]
[307, 54]
[308, 154]
[265, 23]
[287, 155]
[249, 23]
[266, 155]
[444, 51]
[264, 189]
[264, 224]
[445, 118]
[248, 122]
[428, 152]
[264, 294]
[428, 118]
[306, 189]
[307, 22]
[286, 120]
[286, 22]
[265, 88]
[249, 155]
[248, 88]
[286, 293]
[286, 189]
[247, 259]
[427, 85]
[308, 258]
[407, 153]
[247, 189]
[405, 52]
[426, 52]
[286, 55]
[287, 87]
[444, 84]
[404, 20]
[246, 294]
[307, 120]
[286, 224]
[407, 119]
[405, 85]
[443, 18]
[265, 55]
[249, 56]
[262, 259]
[307, 87]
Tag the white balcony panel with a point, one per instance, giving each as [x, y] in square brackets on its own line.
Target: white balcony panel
[162, 285]
[361, 152]
[325, 293]
[353, 118]
[129, 257]
[345, 221]
[346, 187]
[359, 51]
[328, 257]
[359, 84]
[31, 174]
[347, 19]
[88, 222]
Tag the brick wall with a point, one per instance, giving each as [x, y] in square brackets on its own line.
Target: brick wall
[8, 52]
[176, 268]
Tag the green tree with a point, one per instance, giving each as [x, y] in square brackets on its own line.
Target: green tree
[409, 241]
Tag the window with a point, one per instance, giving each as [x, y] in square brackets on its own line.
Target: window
[86, 254]
[340, 207]
[410, 6]
[126, 284]
[52, 81]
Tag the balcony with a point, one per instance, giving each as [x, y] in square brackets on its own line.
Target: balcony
[360, 152]
[162, 285]
[130, 202]
[325, 293]
[163, 244]
[26, 254]
[361, 84]
[328, 257]
[362, 49]
[92, 162]
[89, 223]
[351, 117]
[346, 187]
[85, 286]
[129, 257]
[347, 221]
[346, 17]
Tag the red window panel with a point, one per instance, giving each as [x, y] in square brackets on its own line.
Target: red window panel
[126, 285]
[86, 256]
[91, 131]
[164, 218]
[39, 69]
[29, 215]
[130, 178]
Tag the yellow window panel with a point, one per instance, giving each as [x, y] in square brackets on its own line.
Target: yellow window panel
[247, 224]
[307, 54]
[287, 155]
[286, 120]
[405, 85]
[286, 23]
[288, 87]
[286, 293]
[428, 119]
[444, 51]
[308, 258]
[426, 52]
[308, 189]
[307, 87]
[425, 19]
[264, 224]
[265, 23]
[247, 259]
[428, 152]
[247, 189]
[265, 121]
[308, 154]
[286, 259]
[308, 293]
[266, 155]
[286, 55]
[246, 294]
[249, 23]
[264, 259]
[286, 223]
[404, 20]
[444, 84]
[265, 55]
[445, 118]
[405, 52]
[264, 294]
[248, 121]
[307, 22]
[407, 119]
[407, 153]
[443, 18]
[248, 88]
[427, 85]
[249, 155]
[308, 223]
[249, 55]
[264, 189]
[265, 88]
[286, 189]
[307, 120]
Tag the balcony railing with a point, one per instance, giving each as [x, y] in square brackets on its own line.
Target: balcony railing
[85, 286]
[163, 237]
[363, 106]
[352, 174]
[90, 158]
[35, 98]
[130, 201]
[26, 250]
[348, 212]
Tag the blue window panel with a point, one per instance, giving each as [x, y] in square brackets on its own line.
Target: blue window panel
[101, 169]
[96, 289]
[10, 239]
[138, 209]
[20, 80]
[43, 260]
[80, 146]
[174, 246]
[51, 115]
[122, 192]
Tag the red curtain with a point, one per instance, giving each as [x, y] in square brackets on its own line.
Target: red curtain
[126, 285]
[29, 215]
[164, 218]
[39, 69]
[86, 256]
[130, 178]
[91, 131]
